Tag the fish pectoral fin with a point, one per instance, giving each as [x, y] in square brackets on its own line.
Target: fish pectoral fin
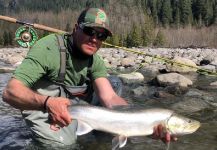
[83, 128]
[119, 141]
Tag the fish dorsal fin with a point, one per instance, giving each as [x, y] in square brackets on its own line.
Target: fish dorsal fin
[118, 142]
[83, 128]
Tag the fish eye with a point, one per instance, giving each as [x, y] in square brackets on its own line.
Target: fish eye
[189, 121]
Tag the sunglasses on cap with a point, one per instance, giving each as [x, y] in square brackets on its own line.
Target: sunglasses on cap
[102, 36]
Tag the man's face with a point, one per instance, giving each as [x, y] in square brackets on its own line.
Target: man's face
[89, 39]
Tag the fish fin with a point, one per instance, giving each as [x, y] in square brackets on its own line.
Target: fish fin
[168, 146]
[83, 128]
[118, 142]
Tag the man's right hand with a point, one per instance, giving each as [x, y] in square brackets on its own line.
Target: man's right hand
[57, 108]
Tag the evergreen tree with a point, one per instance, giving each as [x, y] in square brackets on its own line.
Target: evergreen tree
[1, 41]
[12, 5]
[2, 8]
[5, 38]
[152, 4]
[176, 13]
[121, 40]
[147, 32]
[166, 13]
[129, 40]
[214, 20]
[10, 38]
[136, 36]
[186, 12]
[68, 28]
[208, 17]
[115, 40]
[159, 40]
[144, 4]
[199, 11]
[159, 5]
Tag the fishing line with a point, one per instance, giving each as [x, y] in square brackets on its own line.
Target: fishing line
[164, 59]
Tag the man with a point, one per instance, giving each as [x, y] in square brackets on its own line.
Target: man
[59, 71]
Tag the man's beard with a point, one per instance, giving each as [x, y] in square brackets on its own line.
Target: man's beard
[74, 50]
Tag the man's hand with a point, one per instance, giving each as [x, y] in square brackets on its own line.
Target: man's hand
[159, 133]
[57, 108]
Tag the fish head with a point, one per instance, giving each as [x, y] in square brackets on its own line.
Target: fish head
[180, 125]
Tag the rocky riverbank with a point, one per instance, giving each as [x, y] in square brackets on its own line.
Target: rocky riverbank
[120, 59]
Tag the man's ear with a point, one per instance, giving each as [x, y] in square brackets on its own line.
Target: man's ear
[75, 28]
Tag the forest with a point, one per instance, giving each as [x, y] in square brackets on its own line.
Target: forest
[135, 23]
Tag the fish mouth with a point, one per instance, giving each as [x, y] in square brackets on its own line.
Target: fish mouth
[194, 126]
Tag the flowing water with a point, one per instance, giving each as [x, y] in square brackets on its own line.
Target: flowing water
[14, 135]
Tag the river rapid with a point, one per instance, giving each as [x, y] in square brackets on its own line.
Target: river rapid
[14, 135]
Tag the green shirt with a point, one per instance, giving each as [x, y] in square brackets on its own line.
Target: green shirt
[43, 60]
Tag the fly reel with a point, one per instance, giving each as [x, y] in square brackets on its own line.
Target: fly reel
[26, 36]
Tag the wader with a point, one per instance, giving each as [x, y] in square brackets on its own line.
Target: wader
[39, 122]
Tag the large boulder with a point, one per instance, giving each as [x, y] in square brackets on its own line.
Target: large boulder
[190, 105]
[141, 90]
[173, 79]
[178, 67]
[134, 77]
[13, 59]
[127, 62]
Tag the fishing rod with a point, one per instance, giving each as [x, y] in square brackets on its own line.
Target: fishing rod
[25, 35]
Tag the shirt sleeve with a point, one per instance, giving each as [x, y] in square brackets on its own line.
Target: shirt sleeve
[36, 64]
[98, 67]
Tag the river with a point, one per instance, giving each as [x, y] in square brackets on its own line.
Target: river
[14, 135]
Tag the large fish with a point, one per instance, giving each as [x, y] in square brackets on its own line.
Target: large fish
[129, 123]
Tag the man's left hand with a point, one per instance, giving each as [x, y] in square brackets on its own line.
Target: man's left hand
[159, 133]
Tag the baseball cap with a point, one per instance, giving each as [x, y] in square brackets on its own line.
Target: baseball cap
[94, 17]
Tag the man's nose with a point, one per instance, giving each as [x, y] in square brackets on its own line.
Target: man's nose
[93, 38]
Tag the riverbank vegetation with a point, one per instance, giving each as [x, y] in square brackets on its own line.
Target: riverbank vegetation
[138, 23]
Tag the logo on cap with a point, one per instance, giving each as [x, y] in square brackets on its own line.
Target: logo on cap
[100, 18]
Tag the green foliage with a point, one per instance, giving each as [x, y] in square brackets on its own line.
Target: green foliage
[58, 5]
[129, 41]
[134, 38]
[186, 12]
[159, 40]
[1, 41]
[115, 40]
[10, 38]
[166, 13]
[147, 32]
[153, 4]
[162, 11]
[5, 38]
[214, 20]
[176, 13]
[135, 27]
[68, 28]
[203, 12]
